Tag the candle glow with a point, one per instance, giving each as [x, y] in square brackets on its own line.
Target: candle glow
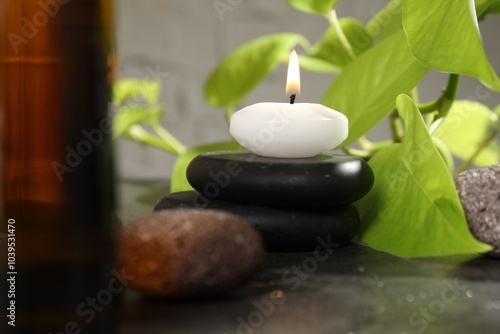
[293, 75]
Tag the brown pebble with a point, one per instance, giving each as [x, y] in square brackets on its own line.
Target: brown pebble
[188, 252]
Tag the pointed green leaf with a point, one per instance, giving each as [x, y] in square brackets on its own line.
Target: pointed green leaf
[444, 35]
[328, 47]
[130, 89]
[129, 116]
[242, 70]
[387, 22]
[314, 6]
[179, 181]
[413, 209]
[465, 127]
[366, 90]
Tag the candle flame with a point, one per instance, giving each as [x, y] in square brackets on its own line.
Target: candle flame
[293, 76]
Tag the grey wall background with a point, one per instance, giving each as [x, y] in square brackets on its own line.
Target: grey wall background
[187, 38]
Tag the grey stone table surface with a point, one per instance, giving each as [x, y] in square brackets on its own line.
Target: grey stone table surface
[349, 290]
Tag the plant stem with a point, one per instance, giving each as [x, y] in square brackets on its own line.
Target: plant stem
[443, 104]
[357, 153]
[451, 88]
[414, 95]
[479, 148]
[367, 153]
[344, 42]
[449, 95]
[138, 133]
[397, 132]
[364, 143]
[428, 107]
[176, 145]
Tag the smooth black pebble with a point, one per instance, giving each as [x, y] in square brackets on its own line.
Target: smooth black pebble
[242, 177]
[282, 229]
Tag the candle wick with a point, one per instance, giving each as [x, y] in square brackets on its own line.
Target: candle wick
[292, 98]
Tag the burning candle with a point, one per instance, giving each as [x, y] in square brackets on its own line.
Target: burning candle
[289, 130]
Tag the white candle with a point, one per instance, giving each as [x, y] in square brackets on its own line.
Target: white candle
[286, 130]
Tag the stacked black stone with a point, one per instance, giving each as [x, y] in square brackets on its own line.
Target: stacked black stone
[296, 204]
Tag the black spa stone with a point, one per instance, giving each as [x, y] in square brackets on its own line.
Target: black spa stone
[282, 229]
[239, 176]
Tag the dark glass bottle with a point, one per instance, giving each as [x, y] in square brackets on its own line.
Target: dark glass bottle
[56, 164]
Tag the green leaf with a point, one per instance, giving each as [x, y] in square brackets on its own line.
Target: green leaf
[484, 7]
[130, 89]
[413, 209]
[445, 153]
[314, 64]
[242, 70]
[328, 47]
[444, 35]
[387, 22]
[465, 127]
[130, 116]
[367, 88]
[314, 6]
[179, 181]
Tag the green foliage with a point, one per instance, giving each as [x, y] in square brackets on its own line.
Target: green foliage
[484, 7]
[387, 22]
[314, 6]
[137, 104]
[445, 153]
[241, 71]
[413, 209]
[179, 181]
[130, 116]
[421, 216]
[378, 76]
[130, 89]
[466, 127]
[328, 48]
[444, 36]
[320, 65]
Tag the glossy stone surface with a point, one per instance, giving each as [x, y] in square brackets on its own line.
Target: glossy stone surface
[188, 253]
[479, 191]
[282, 229]
[240, 176]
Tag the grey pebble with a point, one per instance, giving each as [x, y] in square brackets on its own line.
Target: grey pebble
[479, 192]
